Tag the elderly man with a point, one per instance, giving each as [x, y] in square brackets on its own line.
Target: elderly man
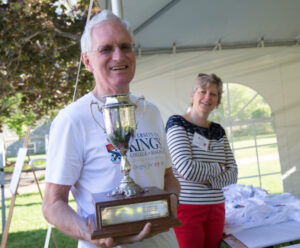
[79, 158]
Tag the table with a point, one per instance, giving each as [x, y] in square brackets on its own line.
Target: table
[269, 235]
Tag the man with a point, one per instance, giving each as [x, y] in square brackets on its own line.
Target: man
[79, 156]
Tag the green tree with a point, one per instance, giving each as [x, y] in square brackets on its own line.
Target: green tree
[18, 121]
[262, 111]
[39, 55]
[245, 104]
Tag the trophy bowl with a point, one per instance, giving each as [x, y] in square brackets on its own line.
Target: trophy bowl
[126, 209]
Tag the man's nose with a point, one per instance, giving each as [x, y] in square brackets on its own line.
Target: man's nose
[117, 53]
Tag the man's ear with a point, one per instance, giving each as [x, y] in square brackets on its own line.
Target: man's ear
[85, 59]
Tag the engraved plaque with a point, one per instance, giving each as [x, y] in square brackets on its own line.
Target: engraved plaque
[124, 215]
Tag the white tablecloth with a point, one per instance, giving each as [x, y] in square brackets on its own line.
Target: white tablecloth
[269, 235]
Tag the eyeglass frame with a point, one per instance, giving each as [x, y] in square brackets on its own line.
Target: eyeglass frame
[109, 49]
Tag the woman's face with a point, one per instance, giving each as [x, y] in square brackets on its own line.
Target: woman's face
[205, 99]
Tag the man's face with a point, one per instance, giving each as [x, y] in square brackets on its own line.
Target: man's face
[111, 58]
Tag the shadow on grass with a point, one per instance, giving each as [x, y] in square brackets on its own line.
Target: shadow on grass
[36, 238]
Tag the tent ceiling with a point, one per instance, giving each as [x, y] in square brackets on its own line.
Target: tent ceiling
[158, 24]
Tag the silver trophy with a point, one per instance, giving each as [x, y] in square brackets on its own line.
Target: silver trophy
[120, 126]
[127, 209]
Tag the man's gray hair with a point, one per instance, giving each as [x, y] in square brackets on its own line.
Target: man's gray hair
[104, 15]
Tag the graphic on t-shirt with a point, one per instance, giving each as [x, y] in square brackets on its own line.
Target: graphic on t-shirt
[146, 144]
[146, 151]
[115, 155]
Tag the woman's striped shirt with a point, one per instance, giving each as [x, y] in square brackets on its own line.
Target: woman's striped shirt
[193, 165]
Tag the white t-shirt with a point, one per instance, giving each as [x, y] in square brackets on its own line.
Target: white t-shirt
[80, 154]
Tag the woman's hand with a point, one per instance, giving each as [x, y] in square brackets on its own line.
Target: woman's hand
[223, 167]
[179, 174]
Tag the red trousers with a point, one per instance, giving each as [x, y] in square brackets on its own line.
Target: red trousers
[202, 225]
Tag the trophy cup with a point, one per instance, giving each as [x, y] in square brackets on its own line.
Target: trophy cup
[126, 209]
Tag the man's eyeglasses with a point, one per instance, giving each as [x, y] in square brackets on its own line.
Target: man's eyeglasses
[109, 49]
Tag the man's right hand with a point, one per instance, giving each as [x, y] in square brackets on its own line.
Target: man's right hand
[111, 242]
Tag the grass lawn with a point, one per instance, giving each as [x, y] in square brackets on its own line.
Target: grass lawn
[268, 160]
[28, 227]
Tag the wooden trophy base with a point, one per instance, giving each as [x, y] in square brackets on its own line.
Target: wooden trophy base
[122, 215]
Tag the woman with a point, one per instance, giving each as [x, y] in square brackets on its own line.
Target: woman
[203, 163]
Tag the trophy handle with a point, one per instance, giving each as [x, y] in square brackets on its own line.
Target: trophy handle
[144, 109]
[100, 110]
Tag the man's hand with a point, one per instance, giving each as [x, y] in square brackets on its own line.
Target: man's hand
[111, 242]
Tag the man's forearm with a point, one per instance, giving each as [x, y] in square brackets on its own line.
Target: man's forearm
[65, 219]
[57, 211]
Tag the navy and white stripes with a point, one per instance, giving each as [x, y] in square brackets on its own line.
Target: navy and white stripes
[192, 166]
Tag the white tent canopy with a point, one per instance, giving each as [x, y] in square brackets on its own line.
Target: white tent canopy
[250, 42]
[200, 24]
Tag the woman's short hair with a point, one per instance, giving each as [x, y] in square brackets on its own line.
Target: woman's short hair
[104, 15]
[204, 80]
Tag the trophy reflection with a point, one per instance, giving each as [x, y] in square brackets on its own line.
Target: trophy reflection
[126, 209]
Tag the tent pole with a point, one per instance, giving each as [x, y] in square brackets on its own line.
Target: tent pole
[2, 178]
[117, 8]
